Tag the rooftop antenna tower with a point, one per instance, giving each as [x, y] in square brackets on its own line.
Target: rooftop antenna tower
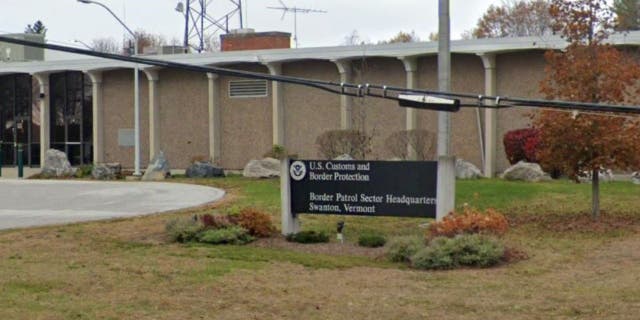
[198, 24]
[295, 11]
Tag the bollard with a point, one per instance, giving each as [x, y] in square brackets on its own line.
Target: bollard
[20, 164]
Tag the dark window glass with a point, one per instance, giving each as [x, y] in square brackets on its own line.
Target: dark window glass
[71, 102]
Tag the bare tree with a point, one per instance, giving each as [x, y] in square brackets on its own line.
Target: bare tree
[355, 39]
[149, 40]
[107, 45]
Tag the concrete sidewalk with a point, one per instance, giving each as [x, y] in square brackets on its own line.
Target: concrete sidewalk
[26, 203]
[12, 172]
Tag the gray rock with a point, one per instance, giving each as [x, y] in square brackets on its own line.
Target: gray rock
[265, 168]
[604, 175]
[57, 165]
[525, 171]
[343, 157]
[102, 172]
[204, 170]
[106, 171]
[466, 170]
[158, 169]
[635, 177]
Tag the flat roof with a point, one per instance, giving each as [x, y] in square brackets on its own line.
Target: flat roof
[396, 50]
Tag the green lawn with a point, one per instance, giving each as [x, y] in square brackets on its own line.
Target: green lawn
[126, 269]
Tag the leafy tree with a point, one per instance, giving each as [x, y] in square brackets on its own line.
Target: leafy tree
[589, 70]
[627, 14]
[514, 18]
[37, 28]
[402, 37]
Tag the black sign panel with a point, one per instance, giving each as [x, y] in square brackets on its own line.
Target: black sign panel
[368, 188]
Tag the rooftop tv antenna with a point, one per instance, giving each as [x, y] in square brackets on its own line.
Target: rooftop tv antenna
[295, 11]
[197, 20]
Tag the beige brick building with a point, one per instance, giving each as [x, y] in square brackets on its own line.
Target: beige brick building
[85, 107]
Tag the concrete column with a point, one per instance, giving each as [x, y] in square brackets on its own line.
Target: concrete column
[277, 104]
[411, 69]
[490, 115]
[214, 118]
[98, 116]
[45, 109]
[154, 112]
[346, 102]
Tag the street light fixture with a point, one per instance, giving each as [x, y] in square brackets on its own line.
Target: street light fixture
[136, 90]
[83, 43]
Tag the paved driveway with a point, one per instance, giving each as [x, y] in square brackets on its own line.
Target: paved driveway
[25, 203]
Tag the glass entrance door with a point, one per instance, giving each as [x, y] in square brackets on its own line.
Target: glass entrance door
[71, 116]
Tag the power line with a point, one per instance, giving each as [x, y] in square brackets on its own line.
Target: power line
[350, 89]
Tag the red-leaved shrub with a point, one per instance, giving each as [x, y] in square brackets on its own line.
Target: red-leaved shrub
[258, 223]
[522, 144]
[468, 222]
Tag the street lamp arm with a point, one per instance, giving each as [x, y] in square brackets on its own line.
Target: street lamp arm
[112, 13]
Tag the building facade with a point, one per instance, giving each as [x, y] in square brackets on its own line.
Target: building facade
[85, 107]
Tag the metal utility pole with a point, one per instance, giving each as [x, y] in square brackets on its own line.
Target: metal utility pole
[444, 76]
[446, 163]
[295, 11]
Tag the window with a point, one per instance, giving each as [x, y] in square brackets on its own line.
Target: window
[248, 88]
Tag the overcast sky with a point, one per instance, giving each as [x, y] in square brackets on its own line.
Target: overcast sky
[69, 20]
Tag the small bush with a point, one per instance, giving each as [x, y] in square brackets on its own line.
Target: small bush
[522, 145]
[371, 240]
[308, 237]
[421, 141]
[84, 171]
[468, 222]
[401, 249]
[231, 235]
[183, 229]
[279, 152]
[217, 221]
[256, 222]
[464, 250]
[334, 143]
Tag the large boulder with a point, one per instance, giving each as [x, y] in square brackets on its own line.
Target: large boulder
[204, 170]
[635, 177]
[466, 170]
[525, 171]
[604, 175]
[265, 168]
[106, 171]
[57, 165]
[343, 157]
[158, 169]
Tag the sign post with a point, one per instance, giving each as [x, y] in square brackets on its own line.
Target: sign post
[290, 222]
[419, 189]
